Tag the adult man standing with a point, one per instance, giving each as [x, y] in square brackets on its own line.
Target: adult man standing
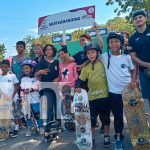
[140, 43]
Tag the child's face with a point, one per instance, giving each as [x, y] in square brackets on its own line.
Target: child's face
[91, 54]
[20, 49]
[38, 50]
[27, 70]
[4, 68]
[62, 55]
[49, 51]
[83, 41]
[114, 45]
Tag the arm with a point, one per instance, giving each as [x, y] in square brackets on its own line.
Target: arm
[16, 89]
[138, 61]
[100, 40]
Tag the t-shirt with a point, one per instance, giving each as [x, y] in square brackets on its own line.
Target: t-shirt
[31, 83]
[17, 66]
[54, 70]
[119, 72]
[140, 43]
[97, 82]
[68, 74]
[7, 83]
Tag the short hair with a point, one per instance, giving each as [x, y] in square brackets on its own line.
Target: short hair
[53, 48]
[5, 62]
[21, 43]
[87, 36]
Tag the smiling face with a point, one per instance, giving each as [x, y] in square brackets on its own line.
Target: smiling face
[38, 50]
[114, 45]
[4, 68]
[83, 41]
[49, 51]
[27, 69]
[91, 54]
[140, 20]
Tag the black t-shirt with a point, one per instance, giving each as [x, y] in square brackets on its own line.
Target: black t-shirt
[52, 74]
[80, 57]
[37, 60]
[140, 43]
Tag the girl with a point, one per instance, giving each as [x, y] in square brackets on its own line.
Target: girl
[30, 86]
[120, 73]
[67, 70]
[48, 71]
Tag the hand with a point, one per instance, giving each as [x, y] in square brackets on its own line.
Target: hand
[44, 71]
[78, 90]
[79, 67]
[133, 84]
[63, 43]
[95, 25]
[148, 66]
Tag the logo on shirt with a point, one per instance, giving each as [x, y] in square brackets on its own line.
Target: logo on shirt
[148, 34]
[83, 56]
[137, 39]
[65, 73]
[9, 81]
[123, 66]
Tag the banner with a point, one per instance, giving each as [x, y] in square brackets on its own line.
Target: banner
[58, 39]
[102, 31]
[76, 18]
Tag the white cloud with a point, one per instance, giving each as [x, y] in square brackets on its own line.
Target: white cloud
[34, 30]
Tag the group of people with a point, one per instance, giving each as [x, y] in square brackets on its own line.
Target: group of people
[103, 75]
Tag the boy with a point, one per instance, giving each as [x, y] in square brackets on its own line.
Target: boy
[94, 74]
[10, 86]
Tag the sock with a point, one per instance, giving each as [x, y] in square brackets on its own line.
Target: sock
[16, 127]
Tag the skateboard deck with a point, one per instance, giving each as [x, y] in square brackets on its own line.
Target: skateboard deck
[82, 120]
[5, 115]
[66, 107]
[136, 119]
[43, 108]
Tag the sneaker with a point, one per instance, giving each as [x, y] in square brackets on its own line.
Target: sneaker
[15, 133]
[93, 142]
[119, 144]
[1, 140]
[102, 129]
[29, 132]
[41, 131]
[106, 141]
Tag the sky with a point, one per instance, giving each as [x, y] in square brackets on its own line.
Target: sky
[19, 18]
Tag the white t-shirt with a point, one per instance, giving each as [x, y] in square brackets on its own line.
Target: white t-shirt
[119, 72]
[31, 83]
[7, 84]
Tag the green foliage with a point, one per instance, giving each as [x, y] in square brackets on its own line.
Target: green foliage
[129, 6]
[2, 51]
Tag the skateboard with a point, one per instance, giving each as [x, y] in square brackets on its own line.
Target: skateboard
[136, 118]
[66, 104]
[51, 131]
[5, 115]
[82, 120]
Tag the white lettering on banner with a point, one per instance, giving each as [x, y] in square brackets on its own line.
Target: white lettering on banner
[75, 18]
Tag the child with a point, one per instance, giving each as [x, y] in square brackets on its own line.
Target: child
[48, 71]
[67, 70]
[18, 59]
[119, 72]
[30, 87]
[10, 86]
[94, 73]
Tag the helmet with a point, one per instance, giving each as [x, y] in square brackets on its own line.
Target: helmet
[29, 62]
[139, 12]
[90, 46]
[117, 35]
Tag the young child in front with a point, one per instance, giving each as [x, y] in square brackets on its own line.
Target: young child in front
[10, 86]
[94, 74]
[120, 73]
[30, 87]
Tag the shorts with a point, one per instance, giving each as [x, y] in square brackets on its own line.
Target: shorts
[100, 107]
[17, 109]
[145, 85]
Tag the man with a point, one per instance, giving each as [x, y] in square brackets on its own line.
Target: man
[140, 43]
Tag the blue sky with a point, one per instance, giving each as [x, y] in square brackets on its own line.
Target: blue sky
[19, 18]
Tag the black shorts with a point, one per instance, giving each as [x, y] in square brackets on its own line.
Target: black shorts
[100, 107]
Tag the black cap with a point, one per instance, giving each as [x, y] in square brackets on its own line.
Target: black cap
[64, 49]
[92, 45]
[139, 13]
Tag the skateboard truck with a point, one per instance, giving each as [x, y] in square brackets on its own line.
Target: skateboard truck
[132, 102]
[142, 141]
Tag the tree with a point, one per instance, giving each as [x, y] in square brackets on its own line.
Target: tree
[130, 5]
[2, 51]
